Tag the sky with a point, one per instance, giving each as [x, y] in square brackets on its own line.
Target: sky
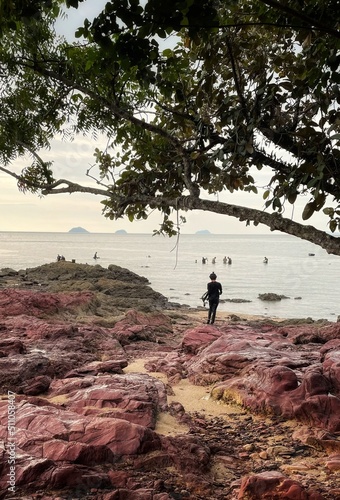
[60, 213]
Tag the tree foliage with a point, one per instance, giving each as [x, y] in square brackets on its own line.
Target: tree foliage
[248, 86]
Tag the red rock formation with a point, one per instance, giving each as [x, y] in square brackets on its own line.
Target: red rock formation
[273, 486]
[137, 325]
[86, 429]
[268, 373]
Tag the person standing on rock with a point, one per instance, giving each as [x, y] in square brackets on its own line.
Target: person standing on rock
[214, 292]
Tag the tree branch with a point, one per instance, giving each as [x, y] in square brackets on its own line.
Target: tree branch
[274, 221]
[312, 22]
[9, 172]
[237, 77]
[72, 187]
[31, 151]
[116, 110]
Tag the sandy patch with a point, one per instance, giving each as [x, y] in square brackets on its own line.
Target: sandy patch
[194, 398]
[224, 316]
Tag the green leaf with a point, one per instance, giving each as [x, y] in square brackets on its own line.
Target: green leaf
[89, 64]
[333, 225]
[308, 211]
[80, 32]
[328, 211]
[73, 3]
[167, 53]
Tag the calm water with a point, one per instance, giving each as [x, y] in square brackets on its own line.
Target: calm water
[311, 282]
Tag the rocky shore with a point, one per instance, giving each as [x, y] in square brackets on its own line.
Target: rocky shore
[110, 392]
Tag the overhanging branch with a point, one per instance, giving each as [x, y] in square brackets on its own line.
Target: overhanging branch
[274, 221]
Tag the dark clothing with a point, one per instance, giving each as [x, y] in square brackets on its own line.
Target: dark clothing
[214, 291]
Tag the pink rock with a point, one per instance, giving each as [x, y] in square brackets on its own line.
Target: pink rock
[16, 370]
[28, 469]
[54, 349]
[271, 484]
[81, 453]
[227, 356]
[262, 369]
[84, 425]
[97, 367]
[196, 338]
[119, 436]
[137, 325]
[331, 365]
[172, 365]
[10, 346]
[36, 385]
[135, 397]
[306, 334]
[77, 477]
[14, 302]
[333, 463]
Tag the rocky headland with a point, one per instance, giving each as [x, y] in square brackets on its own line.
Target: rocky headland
[110, 392]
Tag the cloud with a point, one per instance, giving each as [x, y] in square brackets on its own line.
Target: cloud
[74, 18]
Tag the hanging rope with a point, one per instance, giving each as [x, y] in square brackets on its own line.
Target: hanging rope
[176, 247]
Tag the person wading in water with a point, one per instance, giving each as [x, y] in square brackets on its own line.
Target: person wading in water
[214, 291]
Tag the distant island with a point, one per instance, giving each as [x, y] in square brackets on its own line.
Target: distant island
[78, 230]
[121, 231]
[203, 231]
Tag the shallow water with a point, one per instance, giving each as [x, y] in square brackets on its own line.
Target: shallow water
[310, 282]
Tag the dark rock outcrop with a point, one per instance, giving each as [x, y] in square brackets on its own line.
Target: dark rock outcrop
[116, 289]
[270, 296]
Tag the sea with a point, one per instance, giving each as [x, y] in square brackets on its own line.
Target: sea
[300, 271]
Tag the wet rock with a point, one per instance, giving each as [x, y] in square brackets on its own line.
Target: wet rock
[271, 296]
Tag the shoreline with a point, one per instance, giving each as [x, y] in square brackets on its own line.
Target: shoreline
[290, 271]
[229, 316]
